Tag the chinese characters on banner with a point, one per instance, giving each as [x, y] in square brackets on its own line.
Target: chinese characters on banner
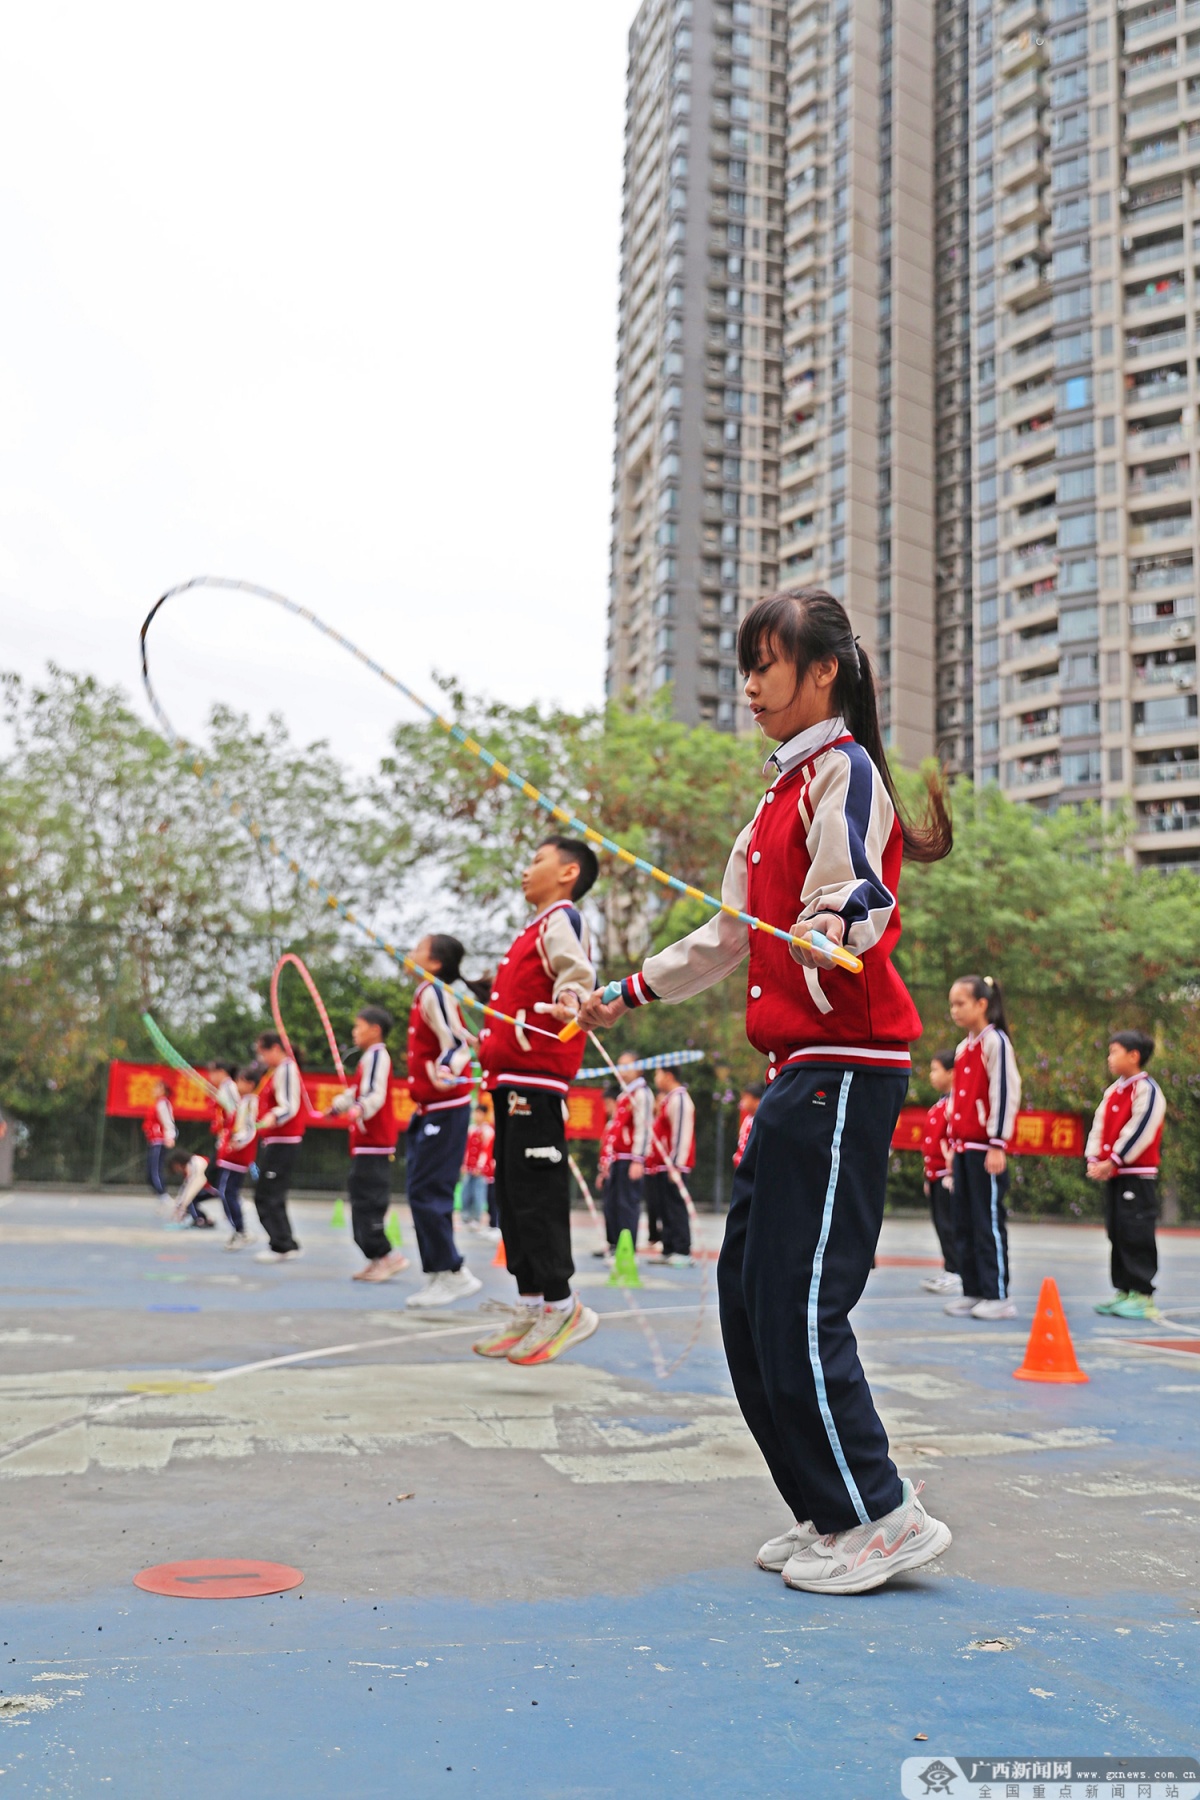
[131, 1094]
[1037, 1134]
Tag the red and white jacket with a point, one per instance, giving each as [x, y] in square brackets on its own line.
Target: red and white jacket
[550, 958]
[633, 1120]
[1128, 1126]
[374, 1130]
[743, 1138]
[673, 1135]
[281, 1093]
[439, 1051]
[986, 1094]
[158, 1126]
[934, 1139]
[236, 1147]
[825, 838]
[480, 1158]
[608, 1150]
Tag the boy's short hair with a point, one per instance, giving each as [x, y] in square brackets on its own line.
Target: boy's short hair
[268, 1040]
[944, 1057]
[576, 851]
[755, 1089]
[1141, 1041]
[251, 1072]
[376, 1015]
[178, 1161]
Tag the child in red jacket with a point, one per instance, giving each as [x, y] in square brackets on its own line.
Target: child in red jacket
[983, 1119]
[1123, 1151]
[822, 853]
[939, 1174]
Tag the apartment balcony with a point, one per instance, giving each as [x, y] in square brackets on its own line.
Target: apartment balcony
[1023, 283]
[1016, 53]
[1032, 608]
[1019, 164]
[1166, 247]
[1164, 618]
[1166, 668]
[1152, 111]
[1040, 523]
[1153, 434]
[1016, 17]
[1029, 482]
[1156, 385]
[1158, 816]
[1160, 481]
[1167, 774]
[1162, 20]
[1028, 122]
[1026, 401]
[1040, 772]
[1032, 687]
[1027, 203]
[1039, 647]
[1150, 531]
[1026, 362]
[1156, 573]
[1139, 346]
[1025, 241]
[1156, 154]
[1020, 324]
[1167, 290]
[1141, 70]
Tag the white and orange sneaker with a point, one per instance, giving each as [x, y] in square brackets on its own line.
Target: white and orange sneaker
[851, 1562]
[508, 1336]
[777, 1552]
[554, 1330]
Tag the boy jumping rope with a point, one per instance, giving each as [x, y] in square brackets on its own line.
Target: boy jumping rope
[1123, 1151]
[373, 1132]
[542, 981]
[280, 1134]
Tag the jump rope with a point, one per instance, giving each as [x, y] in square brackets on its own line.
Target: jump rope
[561, 815]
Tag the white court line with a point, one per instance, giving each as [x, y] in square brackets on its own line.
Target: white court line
[215, 1375]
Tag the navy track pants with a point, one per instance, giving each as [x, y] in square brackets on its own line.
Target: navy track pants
[804, 1220]
[437, 1143]
[981, 1225]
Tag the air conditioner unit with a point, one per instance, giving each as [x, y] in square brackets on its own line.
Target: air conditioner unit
[1181, 630]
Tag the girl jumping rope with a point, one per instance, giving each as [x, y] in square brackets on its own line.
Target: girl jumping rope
[983, 1118]
[823, 853]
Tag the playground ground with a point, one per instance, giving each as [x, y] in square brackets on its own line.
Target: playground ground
[541, 1582]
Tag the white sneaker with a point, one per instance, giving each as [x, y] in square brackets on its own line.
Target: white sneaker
[678, 1261]
[274, 1256]
[958, 1309]
[851, 1562]
[945, 1283]
[444, 1288]
[994, 1309]
[778, 1551]
[419, 1296]
[237, 1240]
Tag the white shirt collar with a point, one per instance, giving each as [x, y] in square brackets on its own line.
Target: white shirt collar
[785, 758]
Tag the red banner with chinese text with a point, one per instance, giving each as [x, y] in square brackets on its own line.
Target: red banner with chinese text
[131, 1095]
[1037, 1133]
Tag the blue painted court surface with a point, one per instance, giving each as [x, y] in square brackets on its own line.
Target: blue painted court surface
[565, 1602]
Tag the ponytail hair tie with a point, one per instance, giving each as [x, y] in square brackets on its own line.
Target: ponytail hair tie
[988, 982]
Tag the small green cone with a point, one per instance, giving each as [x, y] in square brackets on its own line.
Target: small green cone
[392, 1228]
[625, 1269]
[337, 1217]
[458, 1197]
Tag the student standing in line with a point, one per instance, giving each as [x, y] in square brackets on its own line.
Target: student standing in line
[822, 853]
[633, 1121]
[672, 1146]
[541, 983]
[235, 1153]
[441, 1084]
[983, 1118]
[1124, 1149]
[605, 1156]
[939, 1174]
[368, 1110]
[478, 1166]
[281, 1120]
[158, 1129]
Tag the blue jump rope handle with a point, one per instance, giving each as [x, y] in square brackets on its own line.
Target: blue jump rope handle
[612, 992]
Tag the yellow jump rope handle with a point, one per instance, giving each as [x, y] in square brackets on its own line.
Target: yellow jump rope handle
[843, 959]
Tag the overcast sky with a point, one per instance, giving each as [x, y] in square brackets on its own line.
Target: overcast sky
[323, 297]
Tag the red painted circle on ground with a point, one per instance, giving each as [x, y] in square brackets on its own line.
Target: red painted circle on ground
[218, 1578]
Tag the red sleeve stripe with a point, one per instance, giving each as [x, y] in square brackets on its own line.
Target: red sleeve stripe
[636, 991]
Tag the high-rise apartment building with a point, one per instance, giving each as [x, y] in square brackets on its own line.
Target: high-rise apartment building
[1086, 142]
[695, 533]
[909, 308]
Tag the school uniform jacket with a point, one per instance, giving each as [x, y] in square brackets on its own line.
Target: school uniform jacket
[986, 1092]
[158, 1126]
[825, 838]
[1128, 1126]
[608, 1146]
[282, 1094]
[374, 1132]
[673, 1137]
[549, 959]
[634, 1122]
[237, 1145]
[438, 1045]
[934, 1139]
[743, 1138]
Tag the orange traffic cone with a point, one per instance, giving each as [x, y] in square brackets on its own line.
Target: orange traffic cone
[500, 1261]
[1049, 1354]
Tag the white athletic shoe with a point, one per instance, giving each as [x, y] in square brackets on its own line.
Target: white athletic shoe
[994, 1309]
[778, 1551]
[851, 1562]
[678, 1261]
[444, 1288]
[237, 1240]
[275, 1256]
[958, 1309]
[945, 1283]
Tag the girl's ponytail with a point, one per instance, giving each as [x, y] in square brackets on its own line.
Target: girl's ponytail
[809, 626]
[985, 987]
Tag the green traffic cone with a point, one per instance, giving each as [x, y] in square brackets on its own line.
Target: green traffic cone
[392, 1228]
[338, 1216]
[625, 1269]
[458, 1197]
